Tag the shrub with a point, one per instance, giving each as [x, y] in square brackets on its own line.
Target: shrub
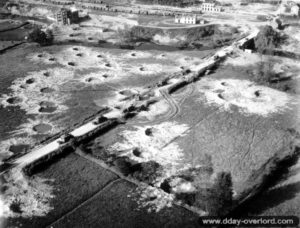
[15, 207]
[147, 172]
[216, 199]
[41, 37]
[267, 39]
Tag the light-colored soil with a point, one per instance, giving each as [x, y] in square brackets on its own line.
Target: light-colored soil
[228, 129]
[50, 82]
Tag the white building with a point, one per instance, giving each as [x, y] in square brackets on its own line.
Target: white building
[288, 8]
[295, 10]
[210, 7]
[186, 19]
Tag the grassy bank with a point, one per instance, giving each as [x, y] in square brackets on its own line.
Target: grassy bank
[209, 35]
[270, 173]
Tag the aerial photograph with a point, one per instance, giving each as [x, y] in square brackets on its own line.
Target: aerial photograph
[149, 113]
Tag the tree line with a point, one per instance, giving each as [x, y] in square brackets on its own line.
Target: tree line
[179, 3]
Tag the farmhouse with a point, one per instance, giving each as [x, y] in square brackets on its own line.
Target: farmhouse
[186, 19]
[210, 7]
[67, 16]
[295, 10]
[289, 8]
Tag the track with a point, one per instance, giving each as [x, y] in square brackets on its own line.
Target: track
[174, 106]
[175, 109]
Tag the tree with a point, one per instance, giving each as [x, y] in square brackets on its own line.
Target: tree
[267, 39]
[41, 37]
[220, 197]
[15, 206]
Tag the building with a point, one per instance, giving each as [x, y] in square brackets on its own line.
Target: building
[182, 3]
[210, 6]
[62, 17]
[289, 8]
[295, 10]
[67, 16]
[186, 19]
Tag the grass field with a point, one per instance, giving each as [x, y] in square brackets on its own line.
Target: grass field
[74, 180]
[219, 117]
[114, 205]
[62, 84]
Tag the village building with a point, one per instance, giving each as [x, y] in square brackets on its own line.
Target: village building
[186, 19]
[210, 6]
[189, 19]
[67, 16]
[183, 3]
[289, 8]
[295, 10]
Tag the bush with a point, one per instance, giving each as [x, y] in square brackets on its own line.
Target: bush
[216, 199]
[147, 172]
[265, 74]
[15, 207]
[267, 39]
[41, 37]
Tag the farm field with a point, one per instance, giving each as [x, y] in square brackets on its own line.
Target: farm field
[73, 180]
[113, 204]
[218, 120]
[128, 119]
[60, 85]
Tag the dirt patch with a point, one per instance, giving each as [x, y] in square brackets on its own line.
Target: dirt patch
[14, 100]
[30, 81]
[157, 157]
[46, 74]
[42, 128]
[19, 148]
[30, 196]
[47, 107]
[47, 90]
[247, 96]
[71, 64]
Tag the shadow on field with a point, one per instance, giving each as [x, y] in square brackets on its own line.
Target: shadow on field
[264, 198]
[273, 198]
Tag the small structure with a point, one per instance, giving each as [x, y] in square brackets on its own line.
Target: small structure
[67, 16]
[295, 10]
[210, 6]
[289, 8]
[186, 19]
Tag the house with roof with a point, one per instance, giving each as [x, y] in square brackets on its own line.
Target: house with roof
[289, 8]
[210, 6]
[67, 16]
[186, 19]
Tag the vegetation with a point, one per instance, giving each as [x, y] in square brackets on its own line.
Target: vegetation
[216, 199]
[267, 39]
[75, 180]
[46, 160]
[15, 207]
[179, 3]
[41, 37]
[269, 174]
[138, 34]
[274, 2]
[147, 172]
[194, 37]
[266, 42]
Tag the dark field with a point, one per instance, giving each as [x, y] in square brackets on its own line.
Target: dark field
[113, 204]
[75, 180]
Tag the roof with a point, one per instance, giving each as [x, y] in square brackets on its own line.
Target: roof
[186, 15]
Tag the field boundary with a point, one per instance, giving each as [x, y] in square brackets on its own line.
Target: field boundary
[131, 180]
[85, 201]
